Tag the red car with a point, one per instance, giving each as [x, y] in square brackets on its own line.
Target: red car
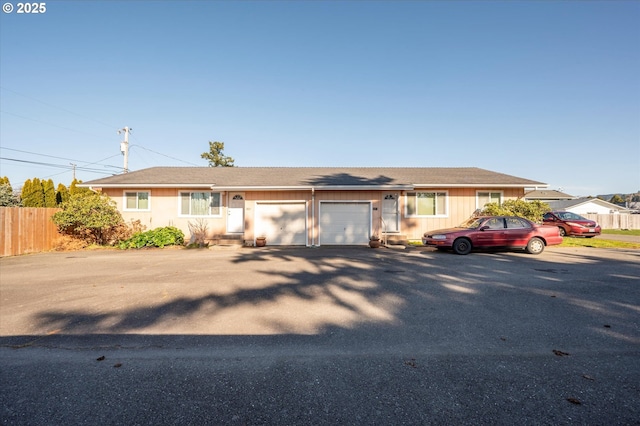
[494, 232]
[572, 224]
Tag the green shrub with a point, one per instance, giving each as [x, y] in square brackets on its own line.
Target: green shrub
[159, 237]
[532, 210]
[90, 217]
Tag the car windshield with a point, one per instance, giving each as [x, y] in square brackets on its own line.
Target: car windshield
[570, 216]
[471, 223]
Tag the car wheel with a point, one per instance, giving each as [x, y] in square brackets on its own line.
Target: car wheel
[535, 246]
[462, 246]
[563, 233]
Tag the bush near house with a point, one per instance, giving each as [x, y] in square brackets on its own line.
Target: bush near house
[90, 217]
[158, 237]
[532, 210]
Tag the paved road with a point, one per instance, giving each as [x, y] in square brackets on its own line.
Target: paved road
[320, 336]
[615, 237]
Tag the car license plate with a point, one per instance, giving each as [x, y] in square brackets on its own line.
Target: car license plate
[592, 230]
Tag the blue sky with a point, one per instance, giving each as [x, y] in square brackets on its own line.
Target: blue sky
[548, 91]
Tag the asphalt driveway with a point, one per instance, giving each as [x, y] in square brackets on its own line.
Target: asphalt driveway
[320, 336]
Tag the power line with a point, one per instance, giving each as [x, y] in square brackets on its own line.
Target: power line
[49, 124]
[59, 166]
[167, 156]
[57, 107]
[86, 163]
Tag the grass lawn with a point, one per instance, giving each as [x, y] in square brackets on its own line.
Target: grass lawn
[635, 232]
[597, 243]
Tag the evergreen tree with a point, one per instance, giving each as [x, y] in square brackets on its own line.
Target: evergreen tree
[25, 194]
[49, 194]
[62, 194]
[74, 190]
[215, 156]
[7, 197]
[616, 199]
[5, 181]
[37, 193]
[33, 193]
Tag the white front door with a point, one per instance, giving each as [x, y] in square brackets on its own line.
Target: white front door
[390, 213]
[235, 213]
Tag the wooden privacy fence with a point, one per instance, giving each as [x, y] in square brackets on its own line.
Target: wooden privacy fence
[27, 230]
[615, 221]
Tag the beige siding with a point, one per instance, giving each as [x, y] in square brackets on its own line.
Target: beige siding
[165, 209]
[462, 204]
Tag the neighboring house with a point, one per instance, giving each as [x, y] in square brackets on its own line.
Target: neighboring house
[308, 206]
[587, 206]
[546, 195]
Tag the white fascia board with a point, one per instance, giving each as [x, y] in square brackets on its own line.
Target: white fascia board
[146, 185]
[315, 188]
[477, 185]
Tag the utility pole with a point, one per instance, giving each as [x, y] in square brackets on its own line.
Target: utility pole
[124, 148]
[74, 170]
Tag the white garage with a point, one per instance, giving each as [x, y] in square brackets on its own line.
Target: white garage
[283, 223]
[345, 223]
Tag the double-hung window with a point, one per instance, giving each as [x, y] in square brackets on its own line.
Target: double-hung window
[484, 198]
[200, 204]
[426, 204]
[138, 200]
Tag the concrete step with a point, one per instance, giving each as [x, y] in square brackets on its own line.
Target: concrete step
[228, 240]
[396, 239]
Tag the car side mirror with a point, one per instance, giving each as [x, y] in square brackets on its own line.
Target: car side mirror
[484, 228]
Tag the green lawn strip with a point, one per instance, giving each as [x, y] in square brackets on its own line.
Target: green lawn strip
[597, 243]
[635, 232]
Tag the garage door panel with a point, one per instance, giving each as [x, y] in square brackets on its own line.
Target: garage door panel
[345, 223]
[282, 223]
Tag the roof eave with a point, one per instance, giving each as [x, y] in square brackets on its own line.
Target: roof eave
[314, 187]
[308, 187]
[146, 185]
[481, 185]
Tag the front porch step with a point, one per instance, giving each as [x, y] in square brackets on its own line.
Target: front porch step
[396, 239]
[228, 240]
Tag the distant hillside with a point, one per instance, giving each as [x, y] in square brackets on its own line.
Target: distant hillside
[627, 197]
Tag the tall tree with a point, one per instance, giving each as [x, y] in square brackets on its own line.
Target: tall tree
[38, 193]
[62, 194]
[74, 190]
[49, 193]
[33, 193]
[5, 181]
[215, 156]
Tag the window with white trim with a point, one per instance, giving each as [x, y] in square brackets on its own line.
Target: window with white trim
[138, 200]
[426, 204]
[485, 197]
[200, 204]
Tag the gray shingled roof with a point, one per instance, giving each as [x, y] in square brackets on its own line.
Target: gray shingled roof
[288, 177]
[566, 204]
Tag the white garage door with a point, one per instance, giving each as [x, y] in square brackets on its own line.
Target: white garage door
[282, 223]
[345, 223]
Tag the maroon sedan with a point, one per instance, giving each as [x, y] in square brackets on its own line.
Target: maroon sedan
[572, 224]
[494, 232]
